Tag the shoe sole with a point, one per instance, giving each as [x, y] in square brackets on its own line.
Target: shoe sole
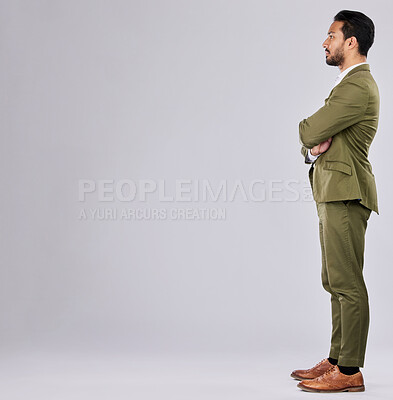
[299, 378]
[350, 389]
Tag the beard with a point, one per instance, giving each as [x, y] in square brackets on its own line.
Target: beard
[336, 59]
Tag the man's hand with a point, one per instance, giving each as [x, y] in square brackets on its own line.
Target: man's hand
[321, 147]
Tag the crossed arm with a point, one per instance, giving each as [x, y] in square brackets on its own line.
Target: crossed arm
[345, 107]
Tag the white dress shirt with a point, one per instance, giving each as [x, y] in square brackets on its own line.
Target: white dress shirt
[339, 78]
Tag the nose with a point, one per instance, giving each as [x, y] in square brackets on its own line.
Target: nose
[324, 44]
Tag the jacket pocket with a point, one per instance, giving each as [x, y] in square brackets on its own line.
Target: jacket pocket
[338, 166]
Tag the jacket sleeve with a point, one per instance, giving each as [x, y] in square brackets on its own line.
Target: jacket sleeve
[346, 106]
[304, 151]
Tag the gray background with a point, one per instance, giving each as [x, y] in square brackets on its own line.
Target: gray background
[168, 90]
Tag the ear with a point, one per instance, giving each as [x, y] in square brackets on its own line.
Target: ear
[352, 42]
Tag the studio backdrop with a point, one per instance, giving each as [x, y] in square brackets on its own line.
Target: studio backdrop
[153, 194]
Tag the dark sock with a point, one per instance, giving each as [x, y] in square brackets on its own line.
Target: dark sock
[333, 361]
[348, 370]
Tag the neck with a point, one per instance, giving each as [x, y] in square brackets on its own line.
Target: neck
[348, 63]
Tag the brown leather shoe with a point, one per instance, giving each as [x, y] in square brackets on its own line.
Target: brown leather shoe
[312, 373]
[334, 381]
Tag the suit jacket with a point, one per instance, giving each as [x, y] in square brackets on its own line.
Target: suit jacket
[350, 116]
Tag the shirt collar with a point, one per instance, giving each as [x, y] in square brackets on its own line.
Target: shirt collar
[341, 76]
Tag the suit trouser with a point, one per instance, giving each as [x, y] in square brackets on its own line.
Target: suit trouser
[342, 228]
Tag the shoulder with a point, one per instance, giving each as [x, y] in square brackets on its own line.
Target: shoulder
[360, 79]
[356, 86]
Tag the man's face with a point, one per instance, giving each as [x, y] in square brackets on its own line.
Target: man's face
[334, 45]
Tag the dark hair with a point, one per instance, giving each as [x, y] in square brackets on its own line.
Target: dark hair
[359, 25]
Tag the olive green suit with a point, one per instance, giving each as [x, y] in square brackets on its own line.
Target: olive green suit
[344, 189]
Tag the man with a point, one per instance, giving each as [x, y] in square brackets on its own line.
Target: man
[336, 141]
